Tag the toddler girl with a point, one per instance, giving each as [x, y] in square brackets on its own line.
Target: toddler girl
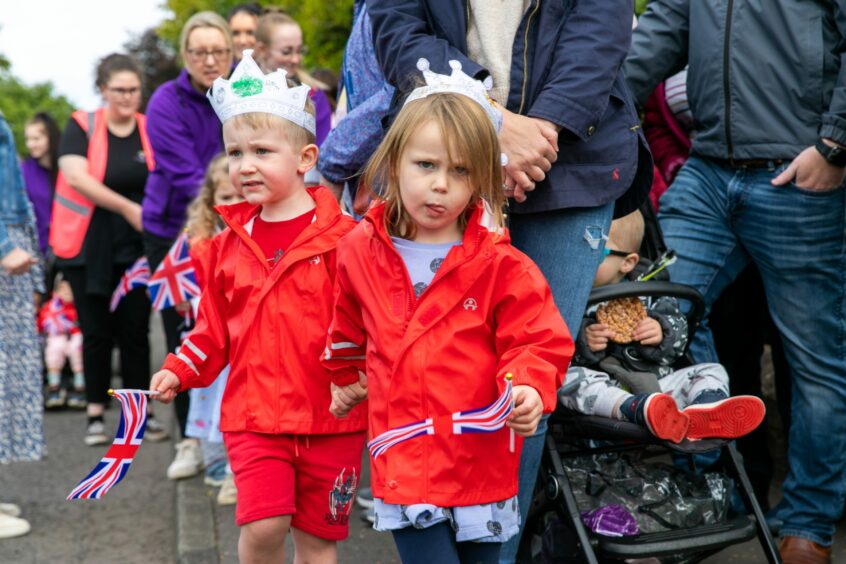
[432, 295]
[58, 321]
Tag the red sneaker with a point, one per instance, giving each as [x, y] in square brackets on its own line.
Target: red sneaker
[726, 419]
[664, 419]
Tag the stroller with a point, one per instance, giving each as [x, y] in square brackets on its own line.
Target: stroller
[681, 519]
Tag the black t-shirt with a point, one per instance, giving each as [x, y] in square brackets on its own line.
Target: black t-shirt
[110, 239]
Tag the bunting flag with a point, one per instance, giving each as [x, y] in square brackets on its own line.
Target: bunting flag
[174, 280]
[135, 276]
[54, 319]
[484, 420]
[115, 464]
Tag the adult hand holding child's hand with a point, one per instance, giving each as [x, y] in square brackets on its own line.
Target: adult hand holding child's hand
[528, 409]
[344, 398]
[166, 383]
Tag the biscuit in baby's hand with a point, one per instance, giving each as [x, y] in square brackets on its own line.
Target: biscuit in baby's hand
[621, 316]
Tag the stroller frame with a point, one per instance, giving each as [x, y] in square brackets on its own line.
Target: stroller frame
[699, 542]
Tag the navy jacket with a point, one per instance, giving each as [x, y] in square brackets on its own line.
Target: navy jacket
[566, 68]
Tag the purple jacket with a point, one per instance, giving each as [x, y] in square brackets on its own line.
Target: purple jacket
[185, 134]
[40, 191]
[322, 115]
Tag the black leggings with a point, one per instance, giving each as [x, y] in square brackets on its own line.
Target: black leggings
[155, 248]
[437, 544]
[128, 326]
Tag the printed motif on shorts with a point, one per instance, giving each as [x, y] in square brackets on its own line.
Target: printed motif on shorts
[341, 497]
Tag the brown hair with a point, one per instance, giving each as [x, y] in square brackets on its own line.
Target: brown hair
[111, 64]
[202, 219]
[627, 232]
[471, 139]
[297, 136]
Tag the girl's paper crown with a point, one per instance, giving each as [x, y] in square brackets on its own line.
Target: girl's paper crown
[457, 83]
[250, 90]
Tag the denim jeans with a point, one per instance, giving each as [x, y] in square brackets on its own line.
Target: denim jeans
[718, 219]
[558, 244]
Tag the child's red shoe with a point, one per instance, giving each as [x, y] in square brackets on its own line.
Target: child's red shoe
[726, 419]
[664, 419]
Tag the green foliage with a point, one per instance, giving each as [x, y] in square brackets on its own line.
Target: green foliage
[326, 24]
[640, 6]
[19, 102]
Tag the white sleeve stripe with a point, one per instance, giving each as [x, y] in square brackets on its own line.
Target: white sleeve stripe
[189, 362]
[336, 346]
[194, 349]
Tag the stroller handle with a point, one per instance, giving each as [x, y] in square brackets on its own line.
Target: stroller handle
[653, 289]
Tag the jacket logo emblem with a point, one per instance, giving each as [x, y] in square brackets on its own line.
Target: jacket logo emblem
[314, 260]
[470, 304]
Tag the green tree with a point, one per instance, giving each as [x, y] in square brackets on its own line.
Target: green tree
[326, 24]
[19, 102]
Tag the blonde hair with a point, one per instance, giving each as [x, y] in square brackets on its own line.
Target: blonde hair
[202, 219]
[297, 136]
[264, 35]
[205, 19]
[627, 232]
[471, 141]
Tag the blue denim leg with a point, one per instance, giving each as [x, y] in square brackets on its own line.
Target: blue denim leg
[556, 242]
[717, 219]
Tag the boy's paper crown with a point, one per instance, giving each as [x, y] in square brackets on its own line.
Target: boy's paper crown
[457, 83]
[250, 90]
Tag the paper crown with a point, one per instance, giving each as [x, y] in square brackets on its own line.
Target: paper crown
[249, 90]
[457, 83]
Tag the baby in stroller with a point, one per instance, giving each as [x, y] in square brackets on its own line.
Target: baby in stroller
[625, 355]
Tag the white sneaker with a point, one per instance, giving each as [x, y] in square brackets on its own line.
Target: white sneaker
[188, 461]
[95, 434]
[12, 526]
[228, 494]
[10, 509]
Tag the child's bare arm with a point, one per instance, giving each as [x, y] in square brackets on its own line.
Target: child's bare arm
[166, 383]
[528, 409]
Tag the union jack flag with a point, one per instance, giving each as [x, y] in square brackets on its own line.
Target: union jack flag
[484, 420]
[174, 281]
[135, 276]
[114, 465]
[54, 320]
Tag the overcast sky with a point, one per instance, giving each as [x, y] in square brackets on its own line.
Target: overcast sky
[62, 40]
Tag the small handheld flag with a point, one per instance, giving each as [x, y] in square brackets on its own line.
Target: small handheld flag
[174, 280]
[135, 276]
[484, 420]
[115, 464]
[55, 321]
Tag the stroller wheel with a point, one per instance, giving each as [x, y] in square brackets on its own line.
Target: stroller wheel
[553, 488]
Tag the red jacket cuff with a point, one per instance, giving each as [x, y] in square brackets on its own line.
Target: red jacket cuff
[345, 376]
[182, 370]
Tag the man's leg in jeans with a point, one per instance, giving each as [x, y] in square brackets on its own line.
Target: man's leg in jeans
[802, 260]
[556, 242]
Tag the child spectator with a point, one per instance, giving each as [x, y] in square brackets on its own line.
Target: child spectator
[442, 307]
[58, 321]
[264, 311]
[701, 391]
[204, 411]
[40, 169]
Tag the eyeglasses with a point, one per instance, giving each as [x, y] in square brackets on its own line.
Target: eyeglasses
[197, 55]
[606, 252]
[124, 91]
[302, 50]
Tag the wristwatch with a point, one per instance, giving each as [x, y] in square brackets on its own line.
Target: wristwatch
[833, 155]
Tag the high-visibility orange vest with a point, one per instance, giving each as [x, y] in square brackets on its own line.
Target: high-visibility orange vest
[71, 210]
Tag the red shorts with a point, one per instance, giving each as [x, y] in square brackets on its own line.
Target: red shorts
[312, 477]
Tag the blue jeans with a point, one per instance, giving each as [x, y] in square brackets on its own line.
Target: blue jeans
[556, 242]
[720, 219]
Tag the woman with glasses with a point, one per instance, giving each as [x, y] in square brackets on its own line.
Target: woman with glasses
[95, 233]
[185, 135]
[279, 45]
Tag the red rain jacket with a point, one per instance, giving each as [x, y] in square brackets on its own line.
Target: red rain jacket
[270, 325]
[487, 312]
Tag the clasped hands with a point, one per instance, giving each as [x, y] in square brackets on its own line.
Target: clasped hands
[523, 420]
[531, 145]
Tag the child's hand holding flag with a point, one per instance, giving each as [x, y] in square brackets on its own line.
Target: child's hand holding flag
[167, 384]
[528, 409]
